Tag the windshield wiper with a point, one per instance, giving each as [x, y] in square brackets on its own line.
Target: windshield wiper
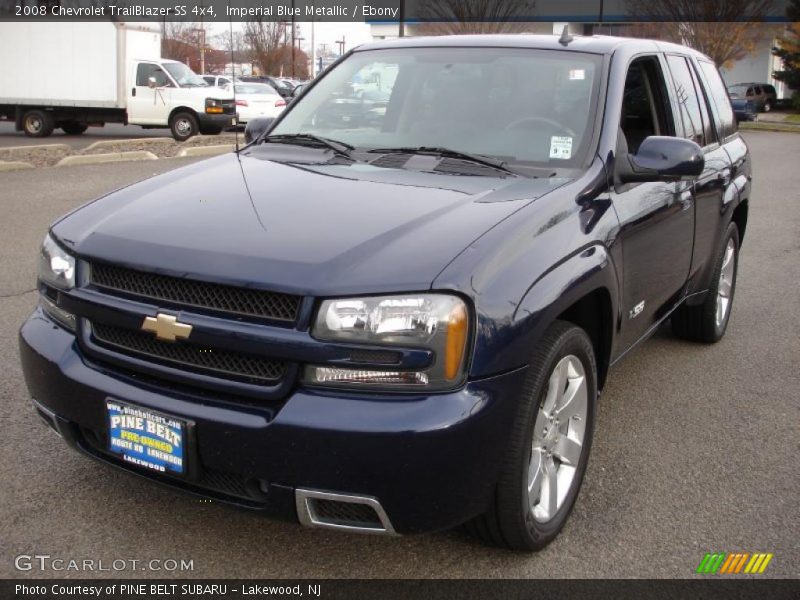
[495, 163]
[339, 147]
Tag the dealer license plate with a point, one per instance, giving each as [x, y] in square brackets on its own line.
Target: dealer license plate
[146, 438]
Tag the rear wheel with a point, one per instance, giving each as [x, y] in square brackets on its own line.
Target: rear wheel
[707, 322]
[74, 128]
[549, 444]
[37, 123]
[768, 106]
[183, 125]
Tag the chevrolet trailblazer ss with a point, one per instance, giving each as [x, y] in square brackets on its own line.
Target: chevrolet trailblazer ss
[394, 309]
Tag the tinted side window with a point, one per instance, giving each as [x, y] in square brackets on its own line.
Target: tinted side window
[720, 97]
[688, 101]
[708, 128]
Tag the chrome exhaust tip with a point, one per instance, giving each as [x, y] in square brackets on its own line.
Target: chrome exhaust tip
[345, 512]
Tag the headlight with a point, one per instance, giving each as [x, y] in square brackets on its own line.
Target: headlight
[213, 106]
[56, 267]
[437, 322]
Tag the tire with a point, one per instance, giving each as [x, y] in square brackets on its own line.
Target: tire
[515, 520]
[74, 128]
[767, 106]
[37, 123]
[702, 323]
[183, 125]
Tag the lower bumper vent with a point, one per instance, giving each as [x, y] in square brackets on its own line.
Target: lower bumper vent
[363, 514]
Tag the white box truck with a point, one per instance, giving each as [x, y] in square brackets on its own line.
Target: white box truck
[73, 75]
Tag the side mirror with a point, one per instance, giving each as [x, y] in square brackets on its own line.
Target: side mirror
[662, 158]
[256, 127]
[152, 82]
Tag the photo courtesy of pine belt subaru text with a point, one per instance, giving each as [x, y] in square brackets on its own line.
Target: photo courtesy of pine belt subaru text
[394, 309]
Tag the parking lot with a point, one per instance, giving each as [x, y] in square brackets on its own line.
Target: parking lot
[695, 451]
[111, 131]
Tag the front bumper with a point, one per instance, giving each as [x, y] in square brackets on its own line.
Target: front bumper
[431, 460]
[216, 120]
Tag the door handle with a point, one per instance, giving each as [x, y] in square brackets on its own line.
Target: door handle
[133, 91]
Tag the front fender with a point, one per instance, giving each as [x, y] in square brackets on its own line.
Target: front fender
[588, 271]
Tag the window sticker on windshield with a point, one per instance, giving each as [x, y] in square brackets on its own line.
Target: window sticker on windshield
[561, 147]
[577, 74]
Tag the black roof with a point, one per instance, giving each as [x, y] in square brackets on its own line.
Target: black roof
[595, 44]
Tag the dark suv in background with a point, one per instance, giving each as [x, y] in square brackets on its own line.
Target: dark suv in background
[762, 95]
[401, 323]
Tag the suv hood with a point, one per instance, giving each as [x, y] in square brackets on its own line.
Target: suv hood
[317, 229]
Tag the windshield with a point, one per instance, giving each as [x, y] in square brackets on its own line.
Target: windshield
[183, 75]
[519, 105]
[737, 90]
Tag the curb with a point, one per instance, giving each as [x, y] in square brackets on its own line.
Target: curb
[762, 126]
[107, 143]
[205, 150]
[14, 165]
[91, 159]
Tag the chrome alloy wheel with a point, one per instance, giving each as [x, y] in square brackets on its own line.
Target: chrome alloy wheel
[558, 436]
[725, 287]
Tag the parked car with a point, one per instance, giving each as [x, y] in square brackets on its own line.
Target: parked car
[404, 325]
[762, 95]
[256, 100]
[280, 87]
[744, 110]
[218, 80]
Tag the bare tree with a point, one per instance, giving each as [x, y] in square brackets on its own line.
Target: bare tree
[179, 39]
[725, 30]
[445, 17]
[264, 38]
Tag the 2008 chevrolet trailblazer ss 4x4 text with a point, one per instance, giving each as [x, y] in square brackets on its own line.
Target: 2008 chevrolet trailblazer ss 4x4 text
[392, 312]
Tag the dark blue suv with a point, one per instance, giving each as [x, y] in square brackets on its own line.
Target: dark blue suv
[398, 318]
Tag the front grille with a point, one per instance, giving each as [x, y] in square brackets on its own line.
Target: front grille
[185, 293]
[226, 364]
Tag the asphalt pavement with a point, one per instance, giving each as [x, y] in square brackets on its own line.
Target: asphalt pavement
[695, 451]
[111, 131]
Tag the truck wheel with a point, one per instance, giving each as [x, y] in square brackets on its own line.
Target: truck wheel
[210, 130]
[548, 445]
[183, 125]
[74, 128]
[708, 321]
[37, 123]
[767, 106]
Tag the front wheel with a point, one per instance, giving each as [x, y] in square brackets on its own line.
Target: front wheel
[549, 444]
[183, 125]
[707, 322]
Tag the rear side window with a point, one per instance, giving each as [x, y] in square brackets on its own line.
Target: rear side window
[719, 95]
[688, 100]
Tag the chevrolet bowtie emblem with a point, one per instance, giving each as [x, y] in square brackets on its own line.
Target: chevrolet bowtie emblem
[166, 327]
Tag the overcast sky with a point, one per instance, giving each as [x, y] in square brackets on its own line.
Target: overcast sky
[324, 33]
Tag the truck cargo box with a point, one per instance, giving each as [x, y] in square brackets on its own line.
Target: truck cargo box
[71, 64]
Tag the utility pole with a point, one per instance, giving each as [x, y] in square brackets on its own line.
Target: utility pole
[293, 39]
[401, 27]
[313, 46]
[340, 43]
